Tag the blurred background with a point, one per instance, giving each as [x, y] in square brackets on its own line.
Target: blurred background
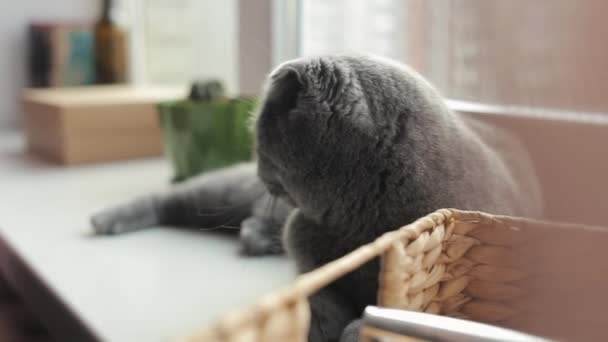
[542, 54]
[97, 81]
[541, 59]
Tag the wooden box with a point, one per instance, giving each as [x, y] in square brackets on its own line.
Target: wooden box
[93, 124]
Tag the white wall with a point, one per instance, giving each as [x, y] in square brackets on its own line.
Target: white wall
[215, 33]
[216, 41]
[14, 17]
[182, 40]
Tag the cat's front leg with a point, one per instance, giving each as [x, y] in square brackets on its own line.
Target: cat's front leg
[208, 201]
[331, 309]
[330, 313]
[138, 214]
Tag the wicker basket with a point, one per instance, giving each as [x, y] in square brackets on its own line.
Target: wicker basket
[538, 277]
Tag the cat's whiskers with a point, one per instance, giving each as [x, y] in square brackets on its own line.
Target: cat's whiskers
[223, 226]
[221, 210]
[226, 210]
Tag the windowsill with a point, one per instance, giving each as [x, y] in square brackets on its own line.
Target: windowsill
[567, 149]
[151, 285]
[529, 112]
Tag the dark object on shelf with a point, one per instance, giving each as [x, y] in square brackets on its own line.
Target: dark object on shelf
[206, 131]
[110, 48]
[206, 91]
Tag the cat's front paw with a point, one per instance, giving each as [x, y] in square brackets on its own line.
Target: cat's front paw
[351, 332]
[125, 218]
[259, 237]
[108, 222]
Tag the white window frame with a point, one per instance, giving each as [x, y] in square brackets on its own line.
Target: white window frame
[286, 29]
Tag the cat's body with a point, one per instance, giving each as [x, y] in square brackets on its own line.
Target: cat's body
[360, 146]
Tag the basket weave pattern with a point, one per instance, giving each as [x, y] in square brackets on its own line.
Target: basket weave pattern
[463, 264]
[456, 264]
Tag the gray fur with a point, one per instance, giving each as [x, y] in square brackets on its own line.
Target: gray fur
[362, 145]
[220, 198]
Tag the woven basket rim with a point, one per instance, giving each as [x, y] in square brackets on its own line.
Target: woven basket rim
[309, 283]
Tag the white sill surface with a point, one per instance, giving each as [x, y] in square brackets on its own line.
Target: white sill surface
[151, 285]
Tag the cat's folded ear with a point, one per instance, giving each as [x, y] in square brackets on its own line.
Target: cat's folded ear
[285, 85]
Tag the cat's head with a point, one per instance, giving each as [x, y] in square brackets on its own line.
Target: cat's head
[330, 130]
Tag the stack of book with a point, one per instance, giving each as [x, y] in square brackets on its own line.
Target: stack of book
[61, 54]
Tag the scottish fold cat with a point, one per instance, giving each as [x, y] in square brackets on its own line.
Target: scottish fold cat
[348, 147]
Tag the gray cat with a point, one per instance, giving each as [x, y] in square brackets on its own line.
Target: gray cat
[358, 145]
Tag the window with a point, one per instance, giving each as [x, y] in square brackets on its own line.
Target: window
[545, 53]
[176, 41]
[359, 25]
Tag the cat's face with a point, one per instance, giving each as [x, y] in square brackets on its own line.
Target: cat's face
[310, 130]
[321, 132]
